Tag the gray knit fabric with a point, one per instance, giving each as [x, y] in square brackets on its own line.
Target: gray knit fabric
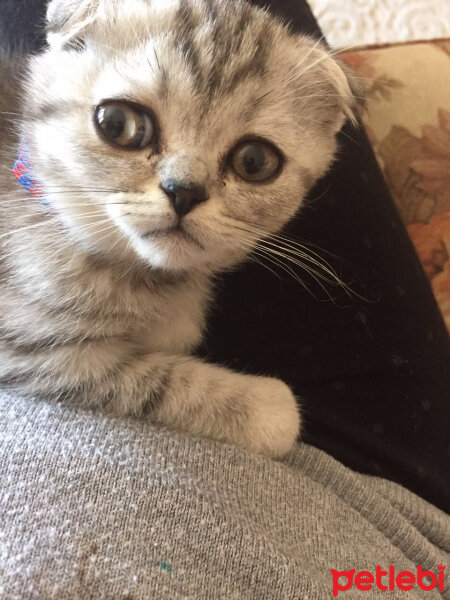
[100, 508]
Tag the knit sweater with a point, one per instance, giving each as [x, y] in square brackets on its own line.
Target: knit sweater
[114, 509]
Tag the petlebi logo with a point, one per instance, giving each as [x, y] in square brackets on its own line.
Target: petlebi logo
[391, 580]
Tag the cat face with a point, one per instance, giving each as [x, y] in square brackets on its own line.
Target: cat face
[179, 131]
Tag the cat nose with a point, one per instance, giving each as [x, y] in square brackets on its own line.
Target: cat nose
[184, 197]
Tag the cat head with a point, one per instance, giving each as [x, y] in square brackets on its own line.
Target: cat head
[180, 131]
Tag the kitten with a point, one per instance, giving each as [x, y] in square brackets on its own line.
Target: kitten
[159, 141]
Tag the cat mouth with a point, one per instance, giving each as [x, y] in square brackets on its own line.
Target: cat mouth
[176, 233]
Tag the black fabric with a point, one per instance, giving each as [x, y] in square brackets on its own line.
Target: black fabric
[373, 372]
[22, 24]
[373, 367]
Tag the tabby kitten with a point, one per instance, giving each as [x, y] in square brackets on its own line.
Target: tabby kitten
[158, 141]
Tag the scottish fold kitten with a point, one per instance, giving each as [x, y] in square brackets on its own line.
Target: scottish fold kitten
[158, 141]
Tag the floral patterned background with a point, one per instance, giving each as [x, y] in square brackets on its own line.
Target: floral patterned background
[408, 123]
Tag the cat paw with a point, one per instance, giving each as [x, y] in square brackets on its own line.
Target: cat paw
[275, 417]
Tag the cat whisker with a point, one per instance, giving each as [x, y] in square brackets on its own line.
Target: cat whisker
[294, 244]
[254, 245]
[24, 228]
[304, 252]
[109, 228]
[301, 256]
[248, 247]
[29, 199]
[316, 275]
[289, 245]
[333, 277]
[307, 248]
[45, 223]
[261, 252]
[120, 239]
[297, 278]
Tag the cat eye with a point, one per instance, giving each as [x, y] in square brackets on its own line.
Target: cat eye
[256, 161]
[125, 125]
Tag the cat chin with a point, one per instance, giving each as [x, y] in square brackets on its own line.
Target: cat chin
[172, 253]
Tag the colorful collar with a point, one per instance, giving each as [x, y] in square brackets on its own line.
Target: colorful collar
[23, 173]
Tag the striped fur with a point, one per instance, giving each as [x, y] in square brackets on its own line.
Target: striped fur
[96, 306]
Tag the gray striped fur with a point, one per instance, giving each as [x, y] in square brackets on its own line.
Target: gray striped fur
[95, 306]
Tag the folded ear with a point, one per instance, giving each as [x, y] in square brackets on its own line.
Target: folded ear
[338, 92]
[345, 88]
[352, 90]
[69, 20]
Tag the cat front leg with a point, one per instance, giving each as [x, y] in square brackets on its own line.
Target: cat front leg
[258, 413]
